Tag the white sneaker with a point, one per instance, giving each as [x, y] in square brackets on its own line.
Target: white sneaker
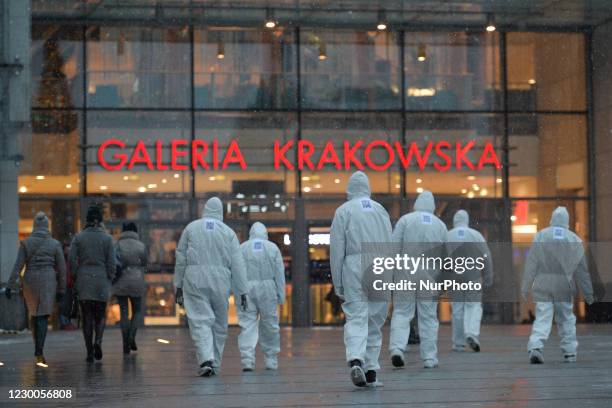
[458, 349]
[430, 364]
[569, 358]
[358, 376]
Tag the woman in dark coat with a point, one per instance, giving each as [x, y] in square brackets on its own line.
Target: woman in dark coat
[44, 279]
[129, 282]
[92, 263]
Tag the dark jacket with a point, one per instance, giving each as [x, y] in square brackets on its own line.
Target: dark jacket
[45, 273]
[132, 256]
[92, 263]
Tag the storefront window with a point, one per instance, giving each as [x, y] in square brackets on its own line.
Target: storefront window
[358, 130]
[255, 135]
[344, 69]
[57, 66]
[548, 155]
[138, 67]
[156, 130]
[244, 69]
[452, 71]
[469, 133]
[51, 153]
[546, 71]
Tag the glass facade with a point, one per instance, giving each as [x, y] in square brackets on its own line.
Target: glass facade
[524, 92]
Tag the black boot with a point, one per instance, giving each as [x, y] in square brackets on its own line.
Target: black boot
[125, 337]
[97, 351]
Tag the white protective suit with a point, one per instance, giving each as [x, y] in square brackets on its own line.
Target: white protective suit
[556, 260]
[208, 264]
[419, 232]
[465, 242]
[357, 221]
[266, 282]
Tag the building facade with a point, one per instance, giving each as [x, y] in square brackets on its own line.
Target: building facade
[160, 73]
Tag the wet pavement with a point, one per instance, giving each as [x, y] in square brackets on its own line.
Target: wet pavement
[312, 373]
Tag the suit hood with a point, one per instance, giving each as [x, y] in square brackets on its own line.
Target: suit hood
[258, 230]
[213, 209]
[461, 219]
[425, 202]
[358, 186]
[560, 218]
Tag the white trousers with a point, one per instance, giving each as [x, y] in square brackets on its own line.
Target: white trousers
[403, 313]
[466, 321]
[563, 313]
[362, 331]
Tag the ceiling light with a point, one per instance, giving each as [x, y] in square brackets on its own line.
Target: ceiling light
[531, 81]
[163, 341]
[125, 178]
[270, 21]
[40, 177]
[471, 178]
[475, 187]
[470, 194]
[382, 21]
[421, 53]
[484, 192]
[306, 178]
[68, 185]
[322, 51]
[164, 181]
[419, 190]
[419, 180]
[490, 23]
[153, 185]
[397, 186]
[220, 50]
[142, 189]
[499, 180]
[463, 190]
[176, 175]
[103, 188]
[513, 218]
[307, 189]
[337, 181]
[23, 189]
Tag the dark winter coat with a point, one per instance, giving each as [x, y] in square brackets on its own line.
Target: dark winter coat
[45, 268]
[132, 256]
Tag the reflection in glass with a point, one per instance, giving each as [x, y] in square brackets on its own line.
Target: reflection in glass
[456, 129]
[130, 127]
[548, 155]
[57, 66]
[244, 69]
[546, 71]
[452, 71]
[255, 134]
[138, 67]
[344, 69]
[51, 153]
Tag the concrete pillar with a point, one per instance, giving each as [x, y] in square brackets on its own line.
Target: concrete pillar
[601, 55]
[14, 122]
[300, 279]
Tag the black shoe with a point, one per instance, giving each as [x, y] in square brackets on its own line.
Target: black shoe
[247, 369]
[397, 361]
[357, 374]
[90, 358]
[473, 343]
[133, 345]
[206, 369]
[370, 376]
[40, 361]
[126, 349]
[97, 351]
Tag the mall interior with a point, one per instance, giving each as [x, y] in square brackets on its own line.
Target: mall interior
[530, 78]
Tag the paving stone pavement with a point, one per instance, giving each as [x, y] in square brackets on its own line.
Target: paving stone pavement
[312, 373]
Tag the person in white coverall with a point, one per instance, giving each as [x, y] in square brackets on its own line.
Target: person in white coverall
[419, 234]
[555, 262]
[266, 283]
[467, 243]
[357, 221]
[208, 264]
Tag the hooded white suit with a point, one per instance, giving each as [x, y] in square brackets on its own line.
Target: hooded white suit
[419, 232]
[357, 221]
[266, 281]
[208, 264]
[464, 241]
[555, 261]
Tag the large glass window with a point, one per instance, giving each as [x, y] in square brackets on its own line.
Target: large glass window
[546, 71]
[255, 135]
[344, 69]
[452, 71]
[244, 69]
[548, 155]
[57, 66]
[358, 131]
[143, 135]
[51, 153]
[446, 135]
[138, 67]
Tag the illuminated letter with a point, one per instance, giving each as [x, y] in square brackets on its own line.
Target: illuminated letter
[122, 157]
